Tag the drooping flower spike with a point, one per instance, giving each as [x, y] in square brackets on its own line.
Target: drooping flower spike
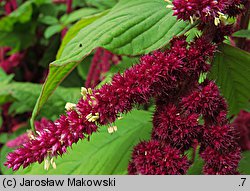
[157, 74]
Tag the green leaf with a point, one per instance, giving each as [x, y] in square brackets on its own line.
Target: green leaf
[72, 32]
[105, 153]
[83, 67]
[20, 38]
[242, 34]
[4, 78]
[51, 30]
[100, 4]
[3, 136]
[76, 15]
[48, 20]
[22, 15]
[1, 118]
[196, 167]
[4, 152]
[231, 72]
[132, 27]
[24, 96]
[244, 166]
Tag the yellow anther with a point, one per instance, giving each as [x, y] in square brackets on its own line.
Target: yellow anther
[53, 163]
[191, 20]
[46, 164]
[169, 6]
[112, 129]
[89, 116]
[30, 135]
[90, 91]
[84, 91]
[92, 97]
[70, 106]
[216, 21]
[90, 103]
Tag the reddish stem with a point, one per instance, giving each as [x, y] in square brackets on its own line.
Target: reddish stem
[14, 4]
[7, 7]
[94, 71]
[69, 6]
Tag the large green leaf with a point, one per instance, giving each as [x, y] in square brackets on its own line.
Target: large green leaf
[18, 29]
[5, 150]
[4, 78]
[22, 15]
[100, 4]
[72, 32]
[24, 96]
[196, 167]
[78, 14]
[105, 153]
[244, 166]
[132, 27]
[242, 34]
[231, 72]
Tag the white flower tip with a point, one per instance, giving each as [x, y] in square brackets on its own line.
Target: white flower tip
[216, 21]
[46, 164]
[89, 116]
[70, 106]
[53, 163]
[112, 129]
[169, 6]
[84, 91]
[90, 91]
[168, 1]
[191, 20]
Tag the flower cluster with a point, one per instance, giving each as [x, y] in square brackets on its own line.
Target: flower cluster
[153, 158]
[220, 163]
[208, 11]
[172, 127]
[207, 101]
[26, 137]
[158, 74]
[176, 124]
[242, 124]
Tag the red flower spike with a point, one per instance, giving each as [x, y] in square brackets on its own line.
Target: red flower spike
[217, 163]
[152, 158]
[173, 127]
[157, 74]
[207, 11]
[242, 125]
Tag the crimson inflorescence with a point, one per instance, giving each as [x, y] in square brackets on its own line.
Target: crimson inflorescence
[171, 78]
[157, 74]
[176, 124]
[211, 16]
[242, 124]
[153, 158]
[207, 11]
